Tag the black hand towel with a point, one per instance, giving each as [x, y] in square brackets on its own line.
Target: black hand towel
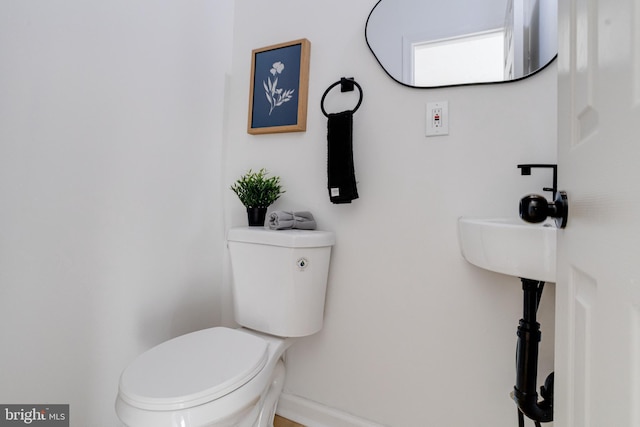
[340, 171]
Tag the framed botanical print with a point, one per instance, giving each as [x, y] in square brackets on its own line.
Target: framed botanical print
[279, 88]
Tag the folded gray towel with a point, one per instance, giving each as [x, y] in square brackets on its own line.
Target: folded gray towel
[281, 220]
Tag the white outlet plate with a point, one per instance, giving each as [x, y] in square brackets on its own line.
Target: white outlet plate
[437, 119]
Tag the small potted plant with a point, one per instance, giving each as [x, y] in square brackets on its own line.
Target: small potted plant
[257, 191]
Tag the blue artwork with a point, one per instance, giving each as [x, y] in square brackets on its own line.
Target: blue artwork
[276, 83]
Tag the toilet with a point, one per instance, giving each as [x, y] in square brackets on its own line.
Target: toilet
[227, 377]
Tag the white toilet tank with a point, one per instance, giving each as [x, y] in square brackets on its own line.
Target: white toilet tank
[280, 279]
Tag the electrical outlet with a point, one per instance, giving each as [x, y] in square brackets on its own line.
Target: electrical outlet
[437, 118]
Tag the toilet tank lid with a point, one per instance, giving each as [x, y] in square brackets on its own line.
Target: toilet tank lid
[293, 238]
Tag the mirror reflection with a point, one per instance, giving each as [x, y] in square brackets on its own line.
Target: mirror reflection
[431, 43]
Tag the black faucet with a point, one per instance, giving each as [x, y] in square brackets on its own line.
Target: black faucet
[526, 170]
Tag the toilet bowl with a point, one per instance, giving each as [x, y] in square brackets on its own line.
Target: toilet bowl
[222, 377]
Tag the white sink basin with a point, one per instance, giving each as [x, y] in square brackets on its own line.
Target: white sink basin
[510, 246]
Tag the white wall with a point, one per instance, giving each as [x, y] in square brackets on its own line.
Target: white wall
[413, 334]
[111, 233]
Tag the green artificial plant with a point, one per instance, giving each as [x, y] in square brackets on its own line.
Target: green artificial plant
[255, 190]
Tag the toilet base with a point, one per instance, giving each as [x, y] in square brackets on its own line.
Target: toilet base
[268, 411]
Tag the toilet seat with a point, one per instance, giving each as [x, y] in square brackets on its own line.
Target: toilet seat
[193, 369]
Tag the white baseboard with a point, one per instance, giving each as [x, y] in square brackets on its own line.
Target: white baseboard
[313, 414]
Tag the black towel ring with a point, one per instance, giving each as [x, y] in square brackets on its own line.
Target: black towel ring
[347, 84]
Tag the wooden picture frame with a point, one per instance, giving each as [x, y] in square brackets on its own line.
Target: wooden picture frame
[279, 88]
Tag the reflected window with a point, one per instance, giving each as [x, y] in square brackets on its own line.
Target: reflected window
[476, 57]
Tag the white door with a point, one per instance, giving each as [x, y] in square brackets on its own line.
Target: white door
[598, 290]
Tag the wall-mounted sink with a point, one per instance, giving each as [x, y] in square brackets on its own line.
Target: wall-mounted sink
[510, 246]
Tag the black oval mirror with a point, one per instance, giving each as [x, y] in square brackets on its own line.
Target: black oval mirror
[429, 43]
